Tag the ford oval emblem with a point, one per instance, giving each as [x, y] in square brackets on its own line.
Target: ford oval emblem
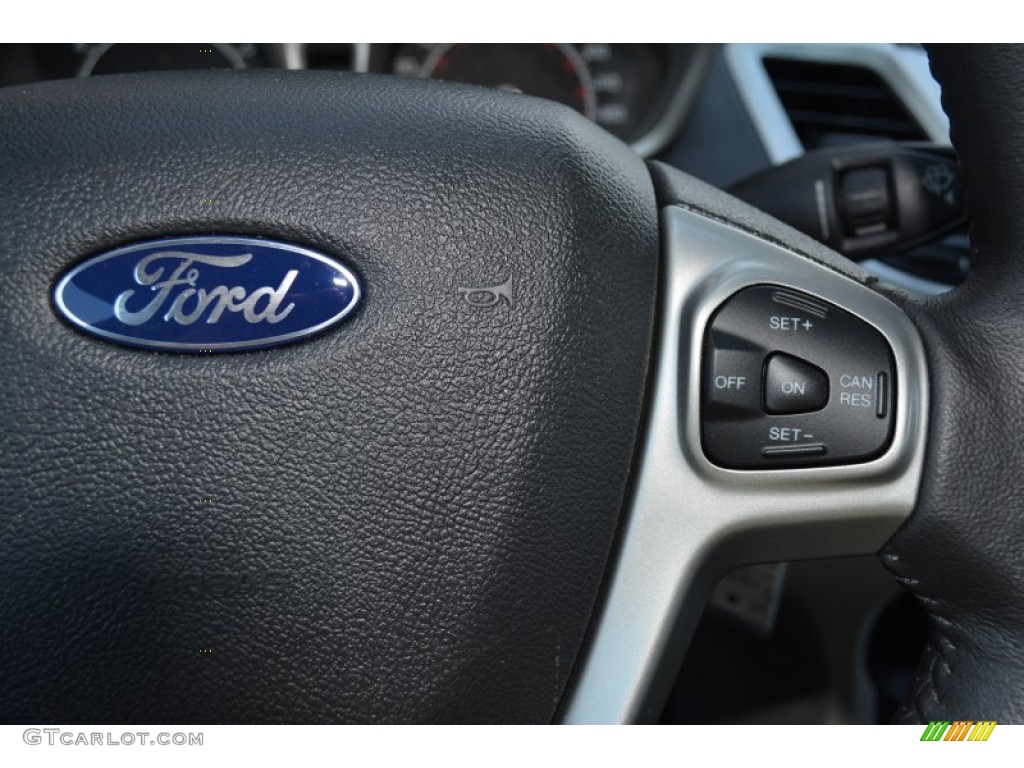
[207, 294]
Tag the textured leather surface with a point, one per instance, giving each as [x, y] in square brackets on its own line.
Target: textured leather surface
[962, 551]
[406, 519]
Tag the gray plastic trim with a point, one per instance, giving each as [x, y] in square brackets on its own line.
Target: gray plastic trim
[685, 91]
[690, 521]
[904, 280]
[361, 57]
[294, 55]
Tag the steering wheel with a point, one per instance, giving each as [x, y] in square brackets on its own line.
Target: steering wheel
[448, 509]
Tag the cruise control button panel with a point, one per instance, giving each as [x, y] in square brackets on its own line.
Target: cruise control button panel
[790, 380]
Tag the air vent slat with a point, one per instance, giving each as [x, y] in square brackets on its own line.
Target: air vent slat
[888, 128]
[834, 104]
[834, 90]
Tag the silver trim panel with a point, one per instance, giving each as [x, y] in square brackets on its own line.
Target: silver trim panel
[690, 521]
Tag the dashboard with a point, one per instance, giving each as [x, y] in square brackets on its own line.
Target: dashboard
[638, 92]
[719, 112]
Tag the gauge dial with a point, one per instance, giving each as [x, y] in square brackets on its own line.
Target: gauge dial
[620, 87]
[551, 71]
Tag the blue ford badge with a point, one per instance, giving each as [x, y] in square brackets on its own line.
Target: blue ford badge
[202, 294]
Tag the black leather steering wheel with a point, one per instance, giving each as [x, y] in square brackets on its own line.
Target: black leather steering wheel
[961, 550]
[441, 511]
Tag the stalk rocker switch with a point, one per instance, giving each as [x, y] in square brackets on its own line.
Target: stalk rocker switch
[868, 200]
[790, 380]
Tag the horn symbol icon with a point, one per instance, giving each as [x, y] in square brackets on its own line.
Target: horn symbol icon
[488, 296]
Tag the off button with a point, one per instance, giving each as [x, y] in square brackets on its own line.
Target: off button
[732, 387]
[792, 385]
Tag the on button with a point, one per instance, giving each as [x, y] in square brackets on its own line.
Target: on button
[792, 385]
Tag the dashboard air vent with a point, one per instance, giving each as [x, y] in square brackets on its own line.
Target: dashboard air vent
[836, 104]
